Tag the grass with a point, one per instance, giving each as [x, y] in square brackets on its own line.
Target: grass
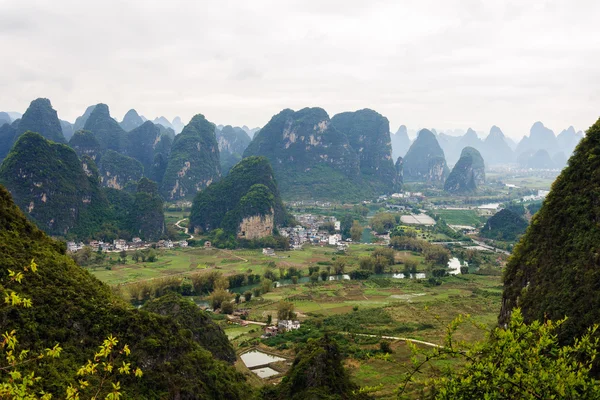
[459, 217]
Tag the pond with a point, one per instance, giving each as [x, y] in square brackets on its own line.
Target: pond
[265, 372]
[256, 358]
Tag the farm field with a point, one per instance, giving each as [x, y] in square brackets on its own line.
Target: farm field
[459, 217]
[399, 308]
[192, 260]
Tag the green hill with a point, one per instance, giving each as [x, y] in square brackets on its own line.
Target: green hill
[368, 133]
[310, 157]
[467, 174]
[425, 161]
[555, 268]
[232, 143]
[85, 144]
[41, 118]
[194, 160]
[117, 170]
[77, 311]
[47, 181]
[107, 131]
[248, 192]
[505, 225]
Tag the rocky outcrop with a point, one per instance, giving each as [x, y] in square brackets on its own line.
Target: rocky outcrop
[131, 120]
[232, 144]
[194, 160]
[85, 144]
[310, 157]
[107, 131]
[41, 118]
[256, 227]
[368, 133]
[468, 173]
[425, 161]
[117, 170]
[245, 204]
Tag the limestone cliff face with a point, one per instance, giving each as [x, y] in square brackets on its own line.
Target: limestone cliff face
[193, 163]
[425, 160]
[467, 174]
[256, 227]
[311, 158]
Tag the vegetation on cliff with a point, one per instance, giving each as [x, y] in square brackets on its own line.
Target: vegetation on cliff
[41, 118]
[107, 131]
[505, 225]
[467, 174]
[369, 135]
[310, 157]
[75, 310]
[425, 161]
[555, 269]
[232, 143]
[117, 170]
[194, 160]
[250, 189]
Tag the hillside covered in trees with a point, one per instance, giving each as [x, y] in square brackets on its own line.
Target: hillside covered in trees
[75, 310]
[250, 190]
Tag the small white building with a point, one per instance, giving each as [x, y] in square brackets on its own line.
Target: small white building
[136, 240]
[73, 247]
[268, 251]
[288, 324]
[183, 243]
[120, 244]
[334, 239]
[338, 225]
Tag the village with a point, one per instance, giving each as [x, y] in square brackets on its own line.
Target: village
[121, 244]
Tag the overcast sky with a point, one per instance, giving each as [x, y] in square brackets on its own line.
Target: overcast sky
[444, 64]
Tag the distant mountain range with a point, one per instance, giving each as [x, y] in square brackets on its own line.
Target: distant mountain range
[497, 149]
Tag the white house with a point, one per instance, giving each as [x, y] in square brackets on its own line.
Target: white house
[120, 244]
[268, 251]
[338, 225]
[288, 324]
[183, 243]
[335, 239]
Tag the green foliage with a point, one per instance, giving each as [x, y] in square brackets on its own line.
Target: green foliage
[523, 361]
[424, 161]
[383, 222]
[73, 308]
[85, 144]
[504, 225]
[188, 316]
[553, 271]
[48, 181]
[468, 173]
[317, 373]
[232, 143]
[285, 310]
[41, 118]
[107, 131]
[248, 190]
[310, 157]
[194, 160]
[368, 133]
[116, 170]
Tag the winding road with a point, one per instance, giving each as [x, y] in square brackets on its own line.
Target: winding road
[184, 229]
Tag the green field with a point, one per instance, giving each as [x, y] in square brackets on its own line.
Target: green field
[459, 217]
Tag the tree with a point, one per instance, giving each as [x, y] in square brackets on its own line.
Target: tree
[314, 277]
[295, 280]
[356, 231]
[218, 297]
[227, 307]
[339, 266]
[367, 263]
[383, 222]
[324, 276]
[520, 362]
[269, 319]
[151, 255]
[136, 256]
[247, 295]
[266, 285]
[256, 292]
[123, 256]
[285, 310]
[237, 298]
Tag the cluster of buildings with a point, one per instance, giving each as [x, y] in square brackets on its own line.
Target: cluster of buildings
[309, 232]
[282, 326]
[121, 244]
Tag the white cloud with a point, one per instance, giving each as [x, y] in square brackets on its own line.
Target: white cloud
[444, 64]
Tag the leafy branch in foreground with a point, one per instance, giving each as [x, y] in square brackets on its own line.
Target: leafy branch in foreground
[523, 361]
[17, 381]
